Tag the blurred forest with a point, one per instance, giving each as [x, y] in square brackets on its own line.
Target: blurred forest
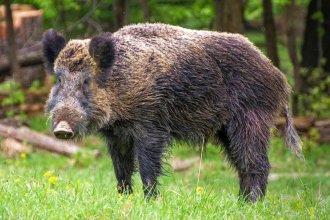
[294, 34]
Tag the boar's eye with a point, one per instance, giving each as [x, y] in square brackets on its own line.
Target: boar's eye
[86, 82]
[59, 80]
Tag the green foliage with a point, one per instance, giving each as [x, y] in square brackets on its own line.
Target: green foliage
[85, 18]
[311, 140]
[73, 18]
[318, 16]
[15, 95]
[36, 84]
[316, 101]
[39, 123]
[191, 14]
[254, 8]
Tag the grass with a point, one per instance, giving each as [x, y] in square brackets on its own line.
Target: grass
[46, 186]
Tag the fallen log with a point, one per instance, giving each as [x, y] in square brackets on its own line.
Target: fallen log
[42, 141]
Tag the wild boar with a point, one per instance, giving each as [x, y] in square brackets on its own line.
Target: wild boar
[147, 84]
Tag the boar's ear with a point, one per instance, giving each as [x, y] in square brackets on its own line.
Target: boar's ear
[101, 48]
[52, 43]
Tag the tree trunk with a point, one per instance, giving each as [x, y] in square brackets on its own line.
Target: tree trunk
[120, 13]
[292, 50]
[316, 45]
[145, 9]
[316, 48]
[14, 66]
[270, 32]
[60, 7]
[229, 15]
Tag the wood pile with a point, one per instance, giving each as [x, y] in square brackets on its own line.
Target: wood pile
[28, 29]
[27, 25]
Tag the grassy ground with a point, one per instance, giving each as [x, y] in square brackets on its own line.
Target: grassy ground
[45, 186]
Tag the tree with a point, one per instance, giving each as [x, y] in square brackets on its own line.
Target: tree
[270, 32]
[229, 15]
[12, 55]
[315, 82]
[120, 10]
[145, 9]
[60, 7]
[292, 50]
[316, 45]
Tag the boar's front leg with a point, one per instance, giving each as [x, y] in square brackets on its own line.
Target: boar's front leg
[122, 155]
[150, 144]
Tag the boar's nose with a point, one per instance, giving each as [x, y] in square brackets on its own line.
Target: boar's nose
[63, 130]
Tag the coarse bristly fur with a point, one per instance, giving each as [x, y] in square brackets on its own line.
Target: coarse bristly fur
[148, 83]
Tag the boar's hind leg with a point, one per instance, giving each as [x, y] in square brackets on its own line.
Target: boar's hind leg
[150, 144]
[122, 156]
[246, 141]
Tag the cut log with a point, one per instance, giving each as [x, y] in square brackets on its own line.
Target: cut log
[42, 141]
[27, 23]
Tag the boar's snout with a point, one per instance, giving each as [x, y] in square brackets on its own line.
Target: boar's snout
[63, 130]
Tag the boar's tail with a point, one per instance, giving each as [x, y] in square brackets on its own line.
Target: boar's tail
[292, 139]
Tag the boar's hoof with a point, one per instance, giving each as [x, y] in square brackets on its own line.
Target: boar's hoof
[63, 130]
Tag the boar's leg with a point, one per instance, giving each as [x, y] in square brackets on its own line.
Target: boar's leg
[122, 154]
[150, 144]
[246, 142]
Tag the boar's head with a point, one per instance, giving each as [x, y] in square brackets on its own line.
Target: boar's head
[78, 104]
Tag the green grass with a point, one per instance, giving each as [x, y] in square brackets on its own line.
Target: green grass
[84, 188]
